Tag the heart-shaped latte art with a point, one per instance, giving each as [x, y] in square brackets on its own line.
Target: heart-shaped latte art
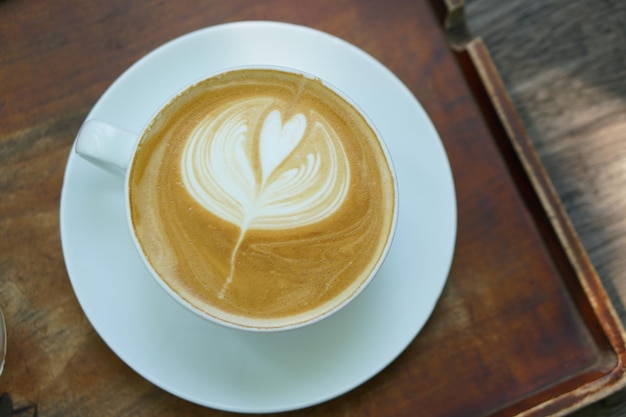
[278, 140]
[246, 165]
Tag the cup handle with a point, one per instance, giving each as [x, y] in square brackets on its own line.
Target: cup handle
[105, 145]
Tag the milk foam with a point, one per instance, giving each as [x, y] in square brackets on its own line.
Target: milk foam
[222, 158]
[220, 167]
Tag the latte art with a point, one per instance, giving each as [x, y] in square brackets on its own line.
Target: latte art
[220, 169]
[261, 197]
[257, 178]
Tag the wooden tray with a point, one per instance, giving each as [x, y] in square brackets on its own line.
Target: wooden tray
[524, 326]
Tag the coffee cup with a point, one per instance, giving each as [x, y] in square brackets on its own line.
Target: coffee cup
[260, 198]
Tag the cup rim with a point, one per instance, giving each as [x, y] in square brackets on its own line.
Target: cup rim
[295, 324]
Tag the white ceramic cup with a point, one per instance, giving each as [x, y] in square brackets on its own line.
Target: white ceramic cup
[113, 149]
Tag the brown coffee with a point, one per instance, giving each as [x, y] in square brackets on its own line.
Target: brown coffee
[261, 197]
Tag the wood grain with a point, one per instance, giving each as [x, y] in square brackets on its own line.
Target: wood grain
[564, 65]
[506, 327]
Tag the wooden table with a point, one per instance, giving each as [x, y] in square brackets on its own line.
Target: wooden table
[563, 63]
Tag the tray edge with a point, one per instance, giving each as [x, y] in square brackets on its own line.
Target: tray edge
[462, 42]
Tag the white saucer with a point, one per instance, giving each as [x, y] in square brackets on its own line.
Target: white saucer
[233, 370]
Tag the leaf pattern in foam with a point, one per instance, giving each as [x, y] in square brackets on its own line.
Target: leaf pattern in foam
[219, 160]
[220, 169]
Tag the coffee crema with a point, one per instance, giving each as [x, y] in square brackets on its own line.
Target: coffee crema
[261, 197]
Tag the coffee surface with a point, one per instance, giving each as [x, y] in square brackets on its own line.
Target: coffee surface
[261, 197]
